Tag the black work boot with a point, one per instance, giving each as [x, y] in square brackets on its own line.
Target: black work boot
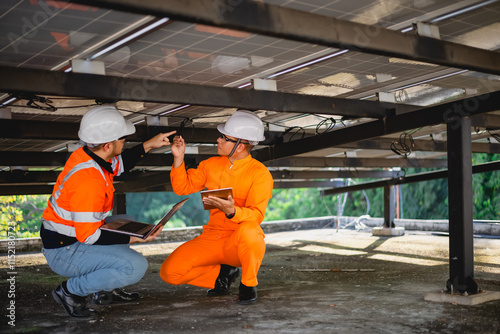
[117, 296]
[227, 276]
[74, 305]
[247, 294]
[101, 298]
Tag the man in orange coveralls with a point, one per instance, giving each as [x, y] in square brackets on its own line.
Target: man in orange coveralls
[233, 236]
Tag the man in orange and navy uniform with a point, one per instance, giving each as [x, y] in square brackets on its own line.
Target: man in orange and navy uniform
[233, 237]
[96, 261]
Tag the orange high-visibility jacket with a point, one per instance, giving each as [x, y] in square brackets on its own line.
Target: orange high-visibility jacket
[251, 181]
[82, 197]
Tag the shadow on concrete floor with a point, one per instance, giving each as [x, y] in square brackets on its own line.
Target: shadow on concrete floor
[293, 296]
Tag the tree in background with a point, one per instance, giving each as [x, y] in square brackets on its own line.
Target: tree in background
[25, 211]
[486, 186]
[426, 199]
[151, 207]
[308, 202]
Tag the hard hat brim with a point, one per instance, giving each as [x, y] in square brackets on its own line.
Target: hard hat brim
[130, 128]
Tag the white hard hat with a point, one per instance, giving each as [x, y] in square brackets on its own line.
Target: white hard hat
[103, 124]
[244, 125]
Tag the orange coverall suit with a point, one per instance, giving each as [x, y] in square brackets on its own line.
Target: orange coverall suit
[239, 241]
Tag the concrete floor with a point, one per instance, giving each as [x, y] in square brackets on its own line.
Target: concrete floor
[294, 297]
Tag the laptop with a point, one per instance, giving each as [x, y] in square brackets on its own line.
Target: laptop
[138, 229]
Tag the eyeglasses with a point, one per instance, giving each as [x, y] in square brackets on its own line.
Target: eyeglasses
[223, 136]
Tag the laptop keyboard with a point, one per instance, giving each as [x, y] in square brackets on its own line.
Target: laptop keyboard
[132, 227]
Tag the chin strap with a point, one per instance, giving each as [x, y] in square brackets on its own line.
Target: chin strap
[234, 148]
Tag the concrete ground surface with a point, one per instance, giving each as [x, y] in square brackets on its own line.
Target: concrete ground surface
[376, 285]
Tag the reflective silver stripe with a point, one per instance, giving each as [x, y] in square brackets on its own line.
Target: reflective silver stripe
[59, 228]
[89, 217]
[118, 160]
[91, 239]
[70, 231]
[77, 168]
[80, 217]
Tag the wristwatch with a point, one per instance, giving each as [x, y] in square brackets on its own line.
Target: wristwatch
[231, 215]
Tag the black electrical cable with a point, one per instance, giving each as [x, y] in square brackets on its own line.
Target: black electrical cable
[293, 133]
[37, 102]
[183, 126]
[404, 145]
[330, 124]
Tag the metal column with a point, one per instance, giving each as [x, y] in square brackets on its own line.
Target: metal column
[389, 206]
[460, 206]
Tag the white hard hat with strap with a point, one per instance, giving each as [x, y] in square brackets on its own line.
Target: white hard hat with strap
[103, 124]
[244, 125]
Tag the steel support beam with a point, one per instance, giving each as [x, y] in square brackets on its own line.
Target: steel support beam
[305, 184]
[27, 177]
[150, 186]
[356, 162]
[460, 207]
[394, 124]
[44, 82]
[420, 177]
[383, 183]
[282, 22]
[57, 159]
[28, 129]
[321, 174]
[9, 190]
[489, 121]
[420, 145]
[144, 179]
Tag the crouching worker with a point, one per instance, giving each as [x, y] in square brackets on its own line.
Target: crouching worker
[233, 237]
[97, 262]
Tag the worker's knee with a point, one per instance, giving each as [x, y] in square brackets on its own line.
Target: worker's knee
[136, 268]
[170, 273]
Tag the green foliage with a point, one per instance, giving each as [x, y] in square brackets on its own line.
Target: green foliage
[24, 212]
[424, 200]
[486, 186]
[307, 203]
[151, 207]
